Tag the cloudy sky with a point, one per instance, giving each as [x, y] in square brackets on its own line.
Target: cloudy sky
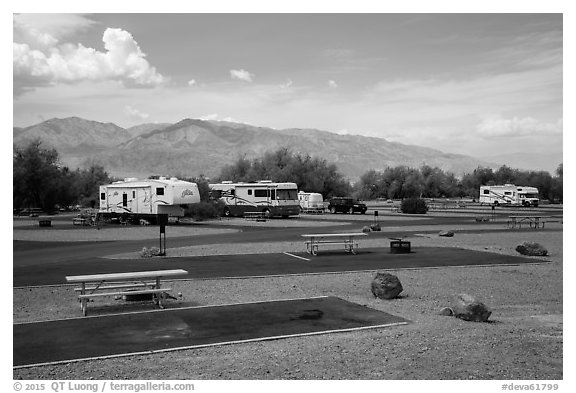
[477, 84]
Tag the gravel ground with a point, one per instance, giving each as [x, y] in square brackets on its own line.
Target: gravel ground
[523, 340]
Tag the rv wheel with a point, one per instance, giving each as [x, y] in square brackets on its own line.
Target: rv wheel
[333, 210]
[496, 203]
[266, 213]
[226, 212]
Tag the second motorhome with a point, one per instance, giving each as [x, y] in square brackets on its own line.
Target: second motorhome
[509, 194]
[265, 197]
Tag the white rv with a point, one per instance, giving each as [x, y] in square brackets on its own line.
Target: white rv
[509, 194]
[147, 198]
[311, 202]
[266, 197]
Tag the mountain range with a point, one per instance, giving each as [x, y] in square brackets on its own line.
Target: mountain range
[192, 147]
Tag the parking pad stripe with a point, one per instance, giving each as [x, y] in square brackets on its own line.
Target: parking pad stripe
[295, 256]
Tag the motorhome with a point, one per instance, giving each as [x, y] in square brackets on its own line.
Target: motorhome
[144, 199]
[266, 197]
[311, 202]
[509, 194]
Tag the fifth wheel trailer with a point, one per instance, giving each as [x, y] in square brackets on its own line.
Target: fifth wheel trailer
[145, 199]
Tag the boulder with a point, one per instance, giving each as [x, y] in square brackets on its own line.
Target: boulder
[446, 234]
[531, 249]
[466, 307]
[366, 229]
[386, 286]
[375, 227]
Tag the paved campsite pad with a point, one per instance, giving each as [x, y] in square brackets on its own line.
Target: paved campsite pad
[146, 332]
[216, 266]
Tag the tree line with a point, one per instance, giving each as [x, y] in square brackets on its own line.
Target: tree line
[41, 181]
[317, 175]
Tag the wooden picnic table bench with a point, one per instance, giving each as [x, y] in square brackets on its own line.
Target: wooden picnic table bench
[534, 221]
[256, 216]
[123, 284]
[80, 221]
[347, 239]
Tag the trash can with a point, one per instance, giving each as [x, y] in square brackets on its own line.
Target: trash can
[399, 246]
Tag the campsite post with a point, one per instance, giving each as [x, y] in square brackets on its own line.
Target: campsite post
[162, 221]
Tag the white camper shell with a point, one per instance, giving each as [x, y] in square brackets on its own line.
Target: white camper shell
[509, 194]
[311, 202]
[265, 197]
[147, 198]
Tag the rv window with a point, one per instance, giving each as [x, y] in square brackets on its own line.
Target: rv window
[160, 191]
[124, 199]
[287, 194]
[102, 195]
[486, 192]
[507, 193]
[133, 194]
[249, 191]
[273, 194]
[261, 193]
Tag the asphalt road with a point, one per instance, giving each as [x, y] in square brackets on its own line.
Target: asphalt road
[42, 263]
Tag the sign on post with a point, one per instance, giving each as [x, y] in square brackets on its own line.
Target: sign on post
[162, 221]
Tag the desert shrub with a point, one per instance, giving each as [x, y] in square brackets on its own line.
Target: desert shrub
[203, 210]
[414, 206]
[149, 252]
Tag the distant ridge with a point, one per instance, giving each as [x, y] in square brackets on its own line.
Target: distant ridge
[192, 147]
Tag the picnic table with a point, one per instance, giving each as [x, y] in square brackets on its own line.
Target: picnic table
[123, 284]
[348, 240]
[255, 216]
[534, 221]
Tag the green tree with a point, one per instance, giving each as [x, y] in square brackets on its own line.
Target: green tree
[310, 174]
[36, 176]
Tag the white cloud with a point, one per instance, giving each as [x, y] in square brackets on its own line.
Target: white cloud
[517, 127]
[192, 82]
[211, 116]
[135, 114]
[45, 61]
[42, 32]
[332, 84]
[242, 75]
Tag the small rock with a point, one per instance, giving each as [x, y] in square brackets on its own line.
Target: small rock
[366, 229]
[446, 234]
[375, 227]
[531, 249]
[447, 311]
[386, 286]
[466, 307]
